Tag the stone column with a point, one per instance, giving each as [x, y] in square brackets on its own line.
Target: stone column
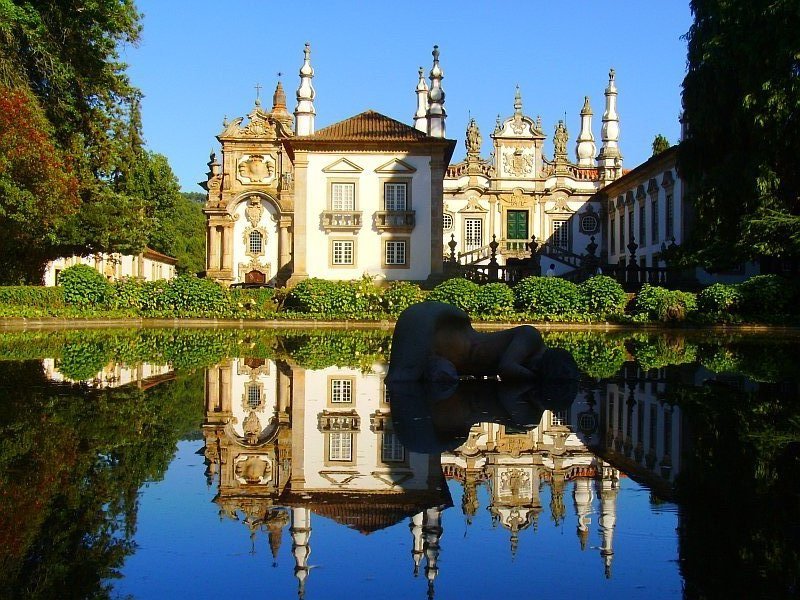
[227, 248]
[299, 243]
[212, 390]
[225, 387]
[284, 242]
[213, 248]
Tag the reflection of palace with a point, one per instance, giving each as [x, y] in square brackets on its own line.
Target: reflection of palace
[114, 374]
[286, 442]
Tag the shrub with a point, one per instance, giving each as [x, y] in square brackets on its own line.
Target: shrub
[84, 286]
[547, 296]
[126, 293]
[767, 295]
[660, 304]
[602, 295]
[335, 298]
[400, 295]
[153, 296]
[494, 299]
[260, 300]
[190, 294]
[719, 298]
[32, 295]
[459, 292]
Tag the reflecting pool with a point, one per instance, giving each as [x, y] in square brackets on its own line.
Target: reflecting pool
[163, 463]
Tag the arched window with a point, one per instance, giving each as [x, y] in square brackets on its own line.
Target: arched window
[256, 242]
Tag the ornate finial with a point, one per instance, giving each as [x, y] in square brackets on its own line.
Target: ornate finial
[279, 97]
[587, 109]
[258, 94]
[539, 122]
[225, 121]
[611, 74]
[518, 102]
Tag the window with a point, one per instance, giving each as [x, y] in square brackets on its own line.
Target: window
[343, 196]
[560, 234]
[391, 449]
[670, 217]
[642, 229]
[256, 242]
[342, 253]
[342, 391]
[473, 234]
[340, 446]
[654, 221]
[622, 233]
[395, 196]
[253, 397]
[447, 221]
[613, 244]
[395, 252]
[630, 226]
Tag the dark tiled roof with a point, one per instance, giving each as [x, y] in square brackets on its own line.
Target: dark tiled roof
[368, 126]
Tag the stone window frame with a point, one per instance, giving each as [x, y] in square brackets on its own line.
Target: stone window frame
[404, 239]
[339, 377]
[396, 180]
[253, 385]
[332, 244]
[332, 181]
[566, 226]
[449, 214]
[246, 241]
[396, 462]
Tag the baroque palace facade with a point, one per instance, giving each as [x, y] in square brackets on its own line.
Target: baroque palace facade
[372, 195]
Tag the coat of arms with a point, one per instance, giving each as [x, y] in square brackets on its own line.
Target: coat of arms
[518, 162]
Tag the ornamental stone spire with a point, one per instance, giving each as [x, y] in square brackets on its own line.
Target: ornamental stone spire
[610, 159]
[304, 113]
[421, 116]
[518, 102]
[436, 113]
[585, 148]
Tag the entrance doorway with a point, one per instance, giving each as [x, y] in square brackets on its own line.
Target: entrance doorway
[255, 277]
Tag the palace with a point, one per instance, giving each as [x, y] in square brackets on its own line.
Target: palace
[371, 195]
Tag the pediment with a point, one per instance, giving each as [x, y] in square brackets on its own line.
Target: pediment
[395, 166]
[343, 165]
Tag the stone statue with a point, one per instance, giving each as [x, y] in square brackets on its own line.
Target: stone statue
[560, 139]
[473, 141]
[434, 341]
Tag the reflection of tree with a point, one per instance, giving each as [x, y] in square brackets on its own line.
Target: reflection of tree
[738, 492]
[71, 462]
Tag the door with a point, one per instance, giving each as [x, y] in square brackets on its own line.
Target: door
[255, 277]
[517, 225]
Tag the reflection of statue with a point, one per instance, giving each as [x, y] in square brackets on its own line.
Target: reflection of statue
[435, 341]
[474, 140]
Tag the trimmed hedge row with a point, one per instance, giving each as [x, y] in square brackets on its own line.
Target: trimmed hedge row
[85, 292]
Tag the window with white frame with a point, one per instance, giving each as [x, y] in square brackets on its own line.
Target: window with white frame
[340, 446]
[343, 196]
[447, 221]
[256, 242]
[395, 252]
[560, 234]
[342, 252]
[391, 448]
[395, 196]
[341, 391]
[473, 234]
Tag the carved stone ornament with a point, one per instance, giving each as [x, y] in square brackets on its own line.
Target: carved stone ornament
[515, 484]
[255, 265]
[259, 125]
[255, 168]
[473, 140]
[516, 198]
[251, 425]
[518, 162]
[254, 470]
[254, 210]
[517, 124]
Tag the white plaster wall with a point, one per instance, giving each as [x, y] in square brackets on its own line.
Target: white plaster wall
[268, 222]
[369, 199]
[239, 378]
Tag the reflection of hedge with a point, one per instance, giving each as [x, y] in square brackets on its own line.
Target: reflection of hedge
[320, 350]
[658, 351]
[597, 355]
[765, 361]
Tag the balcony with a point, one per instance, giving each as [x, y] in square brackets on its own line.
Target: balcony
[341, 220]
[395, 220]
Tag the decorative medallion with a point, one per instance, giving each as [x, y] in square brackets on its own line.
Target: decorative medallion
[255, 168]
[254, 210]
[254, 470]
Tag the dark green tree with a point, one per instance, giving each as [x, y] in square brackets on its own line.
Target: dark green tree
[741, 99]
[660, 143]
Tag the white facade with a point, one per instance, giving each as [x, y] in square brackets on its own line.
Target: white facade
[147, 266]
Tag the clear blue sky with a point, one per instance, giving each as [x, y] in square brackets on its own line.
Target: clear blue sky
[199, 60]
